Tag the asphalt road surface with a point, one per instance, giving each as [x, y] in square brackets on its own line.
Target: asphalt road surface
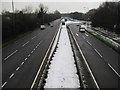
[103, 60]
[22, 58]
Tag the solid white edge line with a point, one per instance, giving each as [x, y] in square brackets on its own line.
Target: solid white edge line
[43, 62]
[114, 70]
[86, 63]
[4, 84]
[98, 53]
[10, 55]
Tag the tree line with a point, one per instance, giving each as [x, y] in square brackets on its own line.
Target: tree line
[107, 16]
[21, 21]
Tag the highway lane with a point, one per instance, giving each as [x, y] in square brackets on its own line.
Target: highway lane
[91, 48]
[109, 55]
[20, 69]
[12, 47]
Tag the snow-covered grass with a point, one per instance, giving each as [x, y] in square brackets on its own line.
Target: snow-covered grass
[106, 40]
[63, 72]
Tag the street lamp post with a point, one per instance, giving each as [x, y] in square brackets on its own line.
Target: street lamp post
[13, 18]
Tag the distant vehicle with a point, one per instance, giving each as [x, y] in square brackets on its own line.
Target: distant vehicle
[63, 23]
[65, 19]
[48, 23]
[82, 28]
[51, 25]
[42, 26]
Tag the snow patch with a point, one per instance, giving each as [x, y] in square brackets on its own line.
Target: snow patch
[63, 72]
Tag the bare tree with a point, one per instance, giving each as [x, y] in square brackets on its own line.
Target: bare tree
[42, 12]
[28, 9]
[42, 8]
[56, 12]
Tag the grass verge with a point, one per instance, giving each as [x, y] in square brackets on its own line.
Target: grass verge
[107, 42]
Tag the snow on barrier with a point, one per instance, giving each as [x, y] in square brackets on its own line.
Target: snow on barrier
[63, 72]
[107, 40]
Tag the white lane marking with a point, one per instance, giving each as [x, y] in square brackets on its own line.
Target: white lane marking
[34, 37]
[76, 34]
[43, 60]
[31, 51]
[83, 37]
[98, 53]
[11, 75]
[22, 63]
[86, 34]
[29, 55]
[86, 63]
[26, 59]
[89, 43]
[10, 55]
[17, 68]
[34, 49]
[4, 84]
[113, 70]
[25, 43]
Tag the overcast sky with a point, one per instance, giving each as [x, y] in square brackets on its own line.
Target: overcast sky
[64, 6]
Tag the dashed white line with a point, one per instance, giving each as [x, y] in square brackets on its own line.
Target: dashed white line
[4, 84]
[86, 63]
[31, 51]
[29, 55]
[89, 43]
[76, 34]
[98, 53]
[26, 59]
[25, 43]
[34, 49]
[10, 55]
[83, 37]
[34, 37]
[11, 75]
[22, 63]
[17, 68]
[114, 70]
[36, 46]
[86, 34]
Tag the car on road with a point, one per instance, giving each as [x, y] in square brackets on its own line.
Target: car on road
[82, 28]
[63, 23]
[48, 23]
[51, 25]
[65, 19]
[42, 26]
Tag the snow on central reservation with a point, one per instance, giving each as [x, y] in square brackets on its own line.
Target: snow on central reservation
[62, 72]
